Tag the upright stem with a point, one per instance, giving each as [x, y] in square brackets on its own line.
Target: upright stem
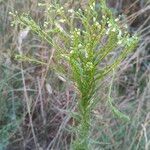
[81, 142]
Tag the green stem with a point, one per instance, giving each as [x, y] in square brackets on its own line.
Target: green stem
[83, 131]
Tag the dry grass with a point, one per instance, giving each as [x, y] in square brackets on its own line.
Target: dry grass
[36, 103]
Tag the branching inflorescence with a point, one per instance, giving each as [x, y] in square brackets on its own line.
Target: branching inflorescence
[85, 38]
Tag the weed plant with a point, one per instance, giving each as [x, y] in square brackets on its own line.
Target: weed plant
[84, 40]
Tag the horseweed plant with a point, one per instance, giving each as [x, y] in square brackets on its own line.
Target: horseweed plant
[84, 39]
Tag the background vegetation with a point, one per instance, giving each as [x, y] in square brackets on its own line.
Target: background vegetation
[36, 102]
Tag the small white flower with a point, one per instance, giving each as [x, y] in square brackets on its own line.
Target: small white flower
[71, 11]
[79, 10]
[45, 24]
[119, 42]
[84, 32]
[59, 27]
[40, 4]
[107, 32]
[71, 52]
[72, 37]
[98, 25]
[117, 19]
[62, 20]
[86, 54]
[109, 25]
[61, 8]
[93, 4]
[12, 25]
[78, 33]
[80, 45]
[92, 7]
[89, 66]
[104, 17]
[94, 19]
[10, 13]
[113, 30]
[120, 33]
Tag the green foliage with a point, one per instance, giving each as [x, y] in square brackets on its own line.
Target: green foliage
[9, 107]
[84, 39]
